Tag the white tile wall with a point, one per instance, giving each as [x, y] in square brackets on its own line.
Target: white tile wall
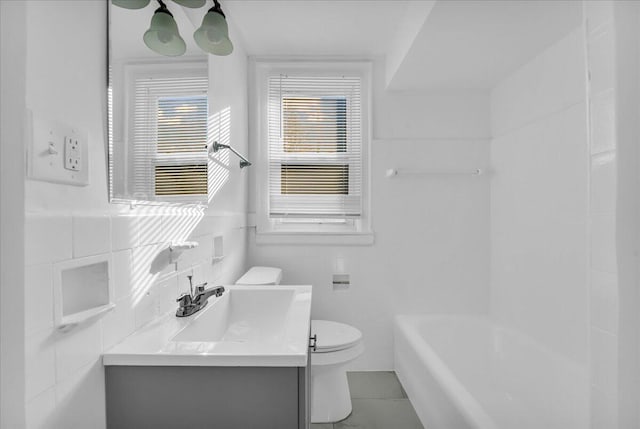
[605, 303]
[124, 234]
[604, 362]
[603, 131]
[603, 183]
[604, 412]
[122, 273]
[76, 349]
[119, 323]
[539, 199]
[47, 239]
[79, 403]
[64, 375]
[39, 287]
[41, 410]
[91, 235]
[40, 365]
[603, 242]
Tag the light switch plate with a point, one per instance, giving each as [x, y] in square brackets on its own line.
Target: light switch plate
[58, 152]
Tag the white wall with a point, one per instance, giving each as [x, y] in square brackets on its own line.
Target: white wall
[614, 62]
[66, 75]
[603, 156]
[539, 199]
[431, 251]
[12, 88]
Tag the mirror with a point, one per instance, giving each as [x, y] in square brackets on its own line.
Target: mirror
[158, 107]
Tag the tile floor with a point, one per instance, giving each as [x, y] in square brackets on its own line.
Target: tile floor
[379, 402]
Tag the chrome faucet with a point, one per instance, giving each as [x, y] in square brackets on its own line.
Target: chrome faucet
[190, 303]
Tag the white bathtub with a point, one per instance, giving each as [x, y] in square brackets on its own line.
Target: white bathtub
[466, 372]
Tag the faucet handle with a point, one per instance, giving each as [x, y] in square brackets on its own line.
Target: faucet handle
[200, 288]
[184, 300]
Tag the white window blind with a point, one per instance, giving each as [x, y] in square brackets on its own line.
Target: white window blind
[315, 146]
[170, 161]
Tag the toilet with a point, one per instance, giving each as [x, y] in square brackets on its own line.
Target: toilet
[336, 345]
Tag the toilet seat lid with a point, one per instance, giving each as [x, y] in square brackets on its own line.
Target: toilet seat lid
[333, 336]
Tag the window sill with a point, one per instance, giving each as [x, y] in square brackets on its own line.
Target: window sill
[320, 238]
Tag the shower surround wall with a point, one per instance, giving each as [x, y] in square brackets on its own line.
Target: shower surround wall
[66, 75]
[539, 199]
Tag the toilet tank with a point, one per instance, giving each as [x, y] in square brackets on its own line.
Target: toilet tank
[261, 276]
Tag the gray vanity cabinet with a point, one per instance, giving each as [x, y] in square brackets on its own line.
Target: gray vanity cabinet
[194, 397]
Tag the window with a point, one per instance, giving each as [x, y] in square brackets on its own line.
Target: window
[168, 135]
[315, 133]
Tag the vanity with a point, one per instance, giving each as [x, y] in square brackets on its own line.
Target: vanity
[240, 362]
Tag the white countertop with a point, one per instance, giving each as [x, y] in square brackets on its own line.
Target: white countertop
[246, 326]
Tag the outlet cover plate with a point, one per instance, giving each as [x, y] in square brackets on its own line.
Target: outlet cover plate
[50, 143]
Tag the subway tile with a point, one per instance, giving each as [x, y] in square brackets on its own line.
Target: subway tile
[177, 228]
[603, 182]
[122, 274]
[39, 293]
[167, 294]
[80, 398]
[603, 127]
[604, 361]
[145, 260]
[601, 60]
[124, 234]
[150, 230]
[146, 306]
[598, 13]
[604, 301]
[118, 323]
[47, 239]
[77, 348]
[41, 410]
[40, 362]
[603, 243]
[604, 410]
[204, 226]
[91, 235]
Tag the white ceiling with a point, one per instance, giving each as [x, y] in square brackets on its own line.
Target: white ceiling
[315, 27]
[434, 45]
[475, 44]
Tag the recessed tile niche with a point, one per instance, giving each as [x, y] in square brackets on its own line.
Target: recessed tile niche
[82, 290]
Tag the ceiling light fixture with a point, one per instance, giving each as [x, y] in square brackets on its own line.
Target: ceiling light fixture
[164, 38]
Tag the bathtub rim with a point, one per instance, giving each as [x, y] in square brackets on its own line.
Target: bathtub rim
[464, 401]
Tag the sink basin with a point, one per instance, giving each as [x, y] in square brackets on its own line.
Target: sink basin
[246, 326]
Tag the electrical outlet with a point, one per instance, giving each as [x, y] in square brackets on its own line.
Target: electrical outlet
[72, 154]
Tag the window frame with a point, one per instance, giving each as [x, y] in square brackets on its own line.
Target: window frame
[132, 71]
[356, 231]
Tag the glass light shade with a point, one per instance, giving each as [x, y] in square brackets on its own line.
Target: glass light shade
[225, 47]
[131, 4]
[191, 3]
[163, 37]
[213, 34]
